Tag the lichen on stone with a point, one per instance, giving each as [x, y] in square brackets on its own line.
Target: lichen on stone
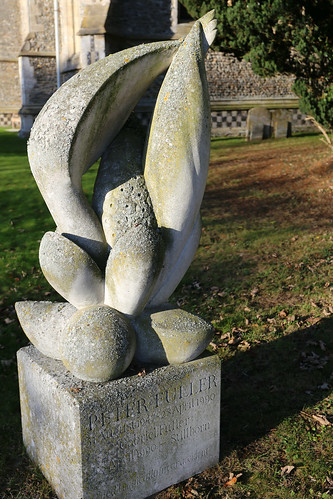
[129, 250]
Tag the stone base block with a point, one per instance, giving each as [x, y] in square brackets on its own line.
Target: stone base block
[128, 438]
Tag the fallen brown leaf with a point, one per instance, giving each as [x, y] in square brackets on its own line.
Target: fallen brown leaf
[231, 482]
[321, 419]
[225, 336]
[232, 479]
[234, 341]
[213, 345]
[244, 345]
[286, 470]
[329, 481]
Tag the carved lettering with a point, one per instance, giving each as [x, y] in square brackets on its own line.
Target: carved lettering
[174, 401]
[142, 429]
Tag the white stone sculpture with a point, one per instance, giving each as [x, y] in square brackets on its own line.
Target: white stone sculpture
[118, 261]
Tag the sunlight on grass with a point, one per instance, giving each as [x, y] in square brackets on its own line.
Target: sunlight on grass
[262, 275]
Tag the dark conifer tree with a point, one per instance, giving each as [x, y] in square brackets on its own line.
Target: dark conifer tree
[281, 36]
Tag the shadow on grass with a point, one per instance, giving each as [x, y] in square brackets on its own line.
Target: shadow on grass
[260, 388]
[273, 381]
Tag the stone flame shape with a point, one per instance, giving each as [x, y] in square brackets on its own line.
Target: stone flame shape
[134, 244]
[177, 159]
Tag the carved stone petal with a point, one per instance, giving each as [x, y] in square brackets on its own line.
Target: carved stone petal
[75, 126]
[170, 336]
[178, 150]
[71, 271]
[176, 274]
[44, 322]
[132, 269]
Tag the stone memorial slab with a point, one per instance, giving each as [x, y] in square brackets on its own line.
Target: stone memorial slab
[126, 438]
[281, 123]
[258, 124]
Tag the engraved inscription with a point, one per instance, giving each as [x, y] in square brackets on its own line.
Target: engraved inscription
[165, 397]
[157, 430]
[155, 473]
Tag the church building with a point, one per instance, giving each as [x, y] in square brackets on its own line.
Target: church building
[45, 42]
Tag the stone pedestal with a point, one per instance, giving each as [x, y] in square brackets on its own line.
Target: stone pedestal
[128, 438]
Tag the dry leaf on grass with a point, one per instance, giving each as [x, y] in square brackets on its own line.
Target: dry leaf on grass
[234, 341]
[244, 345]
[321, 419]
[329, 480]
[232, 480]
[213, 345]
[286, 470]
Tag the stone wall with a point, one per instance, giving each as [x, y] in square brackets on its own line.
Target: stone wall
[10, 92]
[10, 43]
[36, 59]
[10, 21]
[142, 19]
[40, 38]
[231, 79]
[44, 70]
[232, 122]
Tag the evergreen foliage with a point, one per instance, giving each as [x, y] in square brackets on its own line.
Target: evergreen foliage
[281, 36]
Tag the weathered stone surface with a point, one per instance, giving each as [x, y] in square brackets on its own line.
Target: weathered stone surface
[76, 125]
[258, 125]
[122, 202]
[123, 439]
[132, 269]
[44, 322]
[121, 199]
[71, 271]
[178, 150]
[175, 275]
[170, 336]
[281, 123]
[135, 248]
[98, 344]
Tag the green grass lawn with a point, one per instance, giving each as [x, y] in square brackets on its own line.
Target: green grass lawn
[262, 275]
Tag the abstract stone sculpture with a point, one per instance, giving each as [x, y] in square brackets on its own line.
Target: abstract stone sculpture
[118, 261]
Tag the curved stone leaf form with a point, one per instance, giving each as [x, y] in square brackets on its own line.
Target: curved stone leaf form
[178, 148]
[132, 269]
[177, 273]
[170, 336]
[71, 271]
[75, 126]
[44, 322]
